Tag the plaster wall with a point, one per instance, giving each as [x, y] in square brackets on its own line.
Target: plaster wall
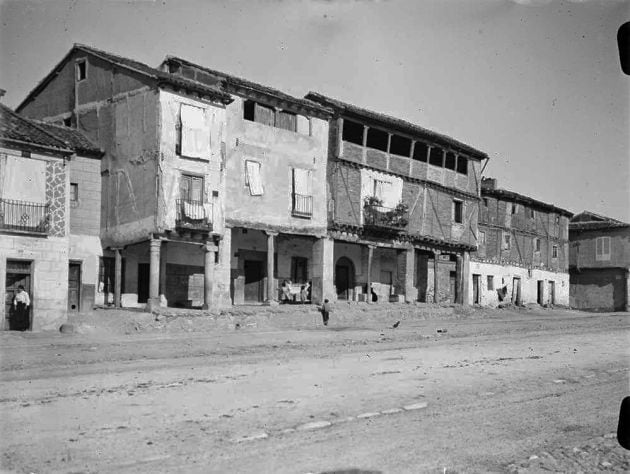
[504, 277]
[85, 212]
[583, 248]
[87, 250]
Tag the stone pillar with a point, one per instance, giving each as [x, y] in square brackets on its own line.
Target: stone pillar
[369, 273]
[163, 261]
[436, 259]
[411, 292]
[208, 273]
[117, 277]
[466, 278]
[272, 298]
[154, 274]
[459, 278]
[323, 270]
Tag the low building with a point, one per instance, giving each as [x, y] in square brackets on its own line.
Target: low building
[599, 263]
[42, 248]
[522, 254]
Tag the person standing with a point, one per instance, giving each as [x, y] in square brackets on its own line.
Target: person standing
[325, 312]
[21, 307]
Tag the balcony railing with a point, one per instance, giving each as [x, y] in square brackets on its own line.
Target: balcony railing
[194, 214]
[388, 218]
[21, 216]
[302, 205]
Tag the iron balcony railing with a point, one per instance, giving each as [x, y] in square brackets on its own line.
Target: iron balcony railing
[22, 216]
[302, 205]
[194, 214]
[385, 217]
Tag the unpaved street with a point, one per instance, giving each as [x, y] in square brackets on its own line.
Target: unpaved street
[504, 391]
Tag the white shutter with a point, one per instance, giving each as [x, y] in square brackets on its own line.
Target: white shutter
[195, 133]
[254, 179]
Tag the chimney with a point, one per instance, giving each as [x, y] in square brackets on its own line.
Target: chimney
[489, 184]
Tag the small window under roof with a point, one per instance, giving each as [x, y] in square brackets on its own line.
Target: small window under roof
[352, 132]
[420, 151]
[377, 139]
[462, 164]
[449, 161]
[436, 156]
[400, 145]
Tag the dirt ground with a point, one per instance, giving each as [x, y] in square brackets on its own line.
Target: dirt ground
[270, 389]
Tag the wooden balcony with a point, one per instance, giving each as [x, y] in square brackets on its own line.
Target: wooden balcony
[302, 205]
[194, 215]
[22, 216]
[385, 218]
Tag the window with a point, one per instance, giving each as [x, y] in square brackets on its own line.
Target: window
[377, 139]
[287, 121]
[74, 192]
[557, 218]
[420, 151]
[299, 269]
[532, 213]
[352, 132]
[507, 241]
[81, 69]
[485, 202]
[191, 188]
[602, 248]
[400, 146]
[514, 208]
[67, 121]
[462, 164]
[458, 211]
[482, 238]
[554, 251]
[106, 275]
[536, 245]
[490, 282]
[194, 136]
[449, 160]
[302, 193]
[253, 178]
[436, 156]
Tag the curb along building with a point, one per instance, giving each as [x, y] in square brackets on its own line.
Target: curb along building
[523, 253]
[402, 209]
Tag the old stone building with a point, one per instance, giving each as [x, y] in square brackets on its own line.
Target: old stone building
[276, 214]
[402, 208]
[599, 263]
[163, 172]
[43, 246]
[522, 254]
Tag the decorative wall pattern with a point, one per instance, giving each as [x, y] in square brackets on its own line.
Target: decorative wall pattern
[56, 197]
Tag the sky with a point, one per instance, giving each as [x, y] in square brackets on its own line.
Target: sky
[535, 84]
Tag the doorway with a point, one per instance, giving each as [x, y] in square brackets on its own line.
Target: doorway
[540, 298]
[74, 286]
[19, 272]
[144, 274]
[516, 291]
[453, 286]
[552, 292]
[344, 278]
[254, 280]
[476, 289]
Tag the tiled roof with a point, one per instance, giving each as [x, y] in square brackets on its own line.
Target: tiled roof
[74, 138]
[587, 220]
[159, 76]
[394, 123]
[20, 131]
[522, 199]
[231, 80]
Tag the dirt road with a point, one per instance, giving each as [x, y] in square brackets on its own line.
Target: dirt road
[515, 391]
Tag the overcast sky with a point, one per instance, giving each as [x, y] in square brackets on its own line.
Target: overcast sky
[536, 84]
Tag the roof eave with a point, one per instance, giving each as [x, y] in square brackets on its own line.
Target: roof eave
[11, 142]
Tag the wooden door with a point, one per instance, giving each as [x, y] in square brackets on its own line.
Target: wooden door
[342, 281]
[74, 286]
[254, 279]
[18, 273]
[541, 289]
[516, 291]
[476, 293]
[453, 285]
[552, 292]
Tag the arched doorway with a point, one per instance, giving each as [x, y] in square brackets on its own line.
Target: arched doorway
[344, 278]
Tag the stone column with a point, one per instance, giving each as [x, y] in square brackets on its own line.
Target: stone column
[208, 273]
[459, 278]
[369, 273]
[323, 270]
[271, 287]
[117, 277]
[436, 259]
[411, 292]
[154, 274]
[163, 261]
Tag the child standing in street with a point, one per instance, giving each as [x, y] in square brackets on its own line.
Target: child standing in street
[325, 312]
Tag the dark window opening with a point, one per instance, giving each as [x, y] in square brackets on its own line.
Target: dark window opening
[532, 213]
[514, 208]
[400, 146]
[377, 139]
[436, 157]
[462, 165]
[248, 110]
[352, 132]
[554, 251]
[457, 211]
[299, 269]
[485, 202]
[420, 151]
[81, 70]
[74, 192]
[449, 160]
[287, 121]
[174, 68]
[490, 282]
[67, 122]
